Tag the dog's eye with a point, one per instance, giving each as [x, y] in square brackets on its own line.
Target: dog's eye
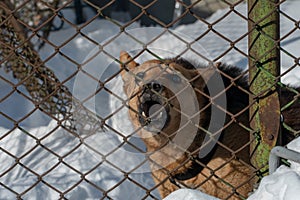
[139, 76]
[176, 78]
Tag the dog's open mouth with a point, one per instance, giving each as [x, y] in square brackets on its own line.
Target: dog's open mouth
[153, 112]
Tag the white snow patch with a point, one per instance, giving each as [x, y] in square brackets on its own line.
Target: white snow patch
[284, 184]
[188, 194]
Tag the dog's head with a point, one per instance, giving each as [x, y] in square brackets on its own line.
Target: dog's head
[165, 101]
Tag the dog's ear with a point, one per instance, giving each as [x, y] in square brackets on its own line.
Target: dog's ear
[198, 76]
[127, 63]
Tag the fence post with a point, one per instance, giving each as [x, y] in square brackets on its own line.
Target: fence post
[264, 60]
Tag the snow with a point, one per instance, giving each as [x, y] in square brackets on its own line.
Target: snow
[105, 154]
[189, 194]
[284, 184]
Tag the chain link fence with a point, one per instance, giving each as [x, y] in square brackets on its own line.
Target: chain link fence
[70, 131]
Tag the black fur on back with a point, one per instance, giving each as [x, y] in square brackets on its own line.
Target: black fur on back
[237, 98]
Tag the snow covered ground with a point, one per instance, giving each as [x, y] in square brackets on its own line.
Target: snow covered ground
[62, 176]
[284, 183]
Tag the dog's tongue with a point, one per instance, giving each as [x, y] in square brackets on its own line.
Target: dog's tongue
[157, 112]
[155, 116]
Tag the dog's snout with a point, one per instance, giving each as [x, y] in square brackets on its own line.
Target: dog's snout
[153, 86]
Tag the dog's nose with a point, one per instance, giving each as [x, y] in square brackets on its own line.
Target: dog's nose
[153, 86]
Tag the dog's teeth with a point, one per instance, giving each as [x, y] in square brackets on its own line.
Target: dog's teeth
[144, 114]
[160, 114]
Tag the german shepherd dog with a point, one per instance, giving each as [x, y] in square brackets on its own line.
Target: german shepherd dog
[171, 104]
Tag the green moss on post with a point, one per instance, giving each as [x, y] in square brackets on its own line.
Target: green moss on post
[264, 59]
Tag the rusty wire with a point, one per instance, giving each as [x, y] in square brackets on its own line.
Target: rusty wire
[50, 95]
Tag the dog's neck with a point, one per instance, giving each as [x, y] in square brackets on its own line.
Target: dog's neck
[197, 166]
[193, 171]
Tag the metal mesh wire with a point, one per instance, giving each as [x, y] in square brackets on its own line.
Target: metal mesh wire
[25, 22]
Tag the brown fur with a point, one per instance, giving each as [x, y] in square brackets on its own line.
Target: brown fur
[227, 173]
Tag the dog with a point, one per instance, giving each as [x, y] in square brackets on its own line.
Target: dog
[192, 120]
